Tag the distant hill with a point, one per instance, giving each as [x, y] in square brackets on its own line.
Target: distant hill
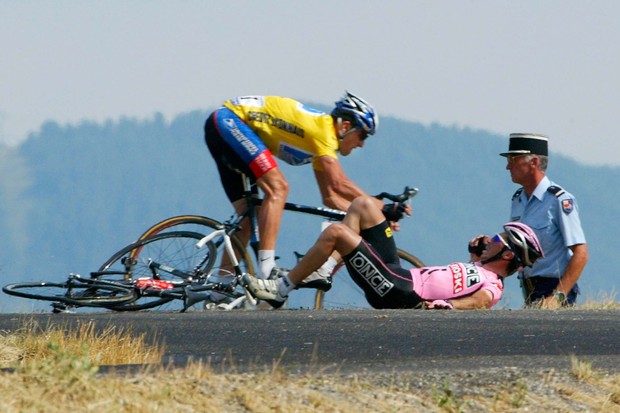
[73, 195]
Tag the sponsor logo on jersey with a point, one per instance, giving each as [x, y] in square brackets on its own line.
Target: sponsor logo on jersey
[262, 164]
[472, 275]
[465, 275]
[262, 117]
[370, 274]
[457, 278]
[240, 137]
[292, 155]
[388, 232]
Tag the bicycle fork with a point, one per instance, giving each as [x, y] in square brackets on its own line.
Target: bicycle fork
[233, 258]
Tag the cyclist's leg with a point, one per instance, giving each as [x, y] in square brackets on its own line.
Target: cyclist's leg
[232, 170]
[275, 189]
[335, 238]
[374, 265]
[230, 165]
[407, 261]
[385, 286]
[238, 149]
[362, 215]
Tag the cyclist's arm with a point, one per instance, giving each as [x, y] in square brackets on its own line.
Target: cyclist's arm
[337, 190]
[478, 300]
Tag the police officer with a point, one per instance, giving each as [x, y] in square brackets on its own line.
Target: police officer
[553, 214]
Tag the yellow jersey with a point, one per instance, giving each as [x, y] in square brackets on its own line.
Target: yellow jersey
[293, 132]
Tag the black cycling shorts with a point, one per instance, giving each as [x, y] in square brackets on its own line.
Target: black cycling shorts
[375, 267]
[229, 164]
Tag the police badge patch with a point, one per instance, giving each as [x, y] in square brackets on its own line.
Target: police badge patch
[567, 206]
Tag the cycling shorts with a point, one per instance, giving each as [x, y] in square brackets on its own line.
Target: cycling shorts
[237, 151]
[375, 267]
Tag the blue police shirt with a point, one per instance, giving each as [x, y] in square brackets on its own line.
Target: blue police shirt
[555, 219]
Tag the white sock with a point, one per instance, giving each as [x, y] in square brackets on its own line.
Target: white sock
[285, 286]
[328, 267]
[266, 262]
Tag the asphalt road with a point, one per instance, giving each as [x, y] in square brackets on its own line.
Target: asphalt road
[371, 340]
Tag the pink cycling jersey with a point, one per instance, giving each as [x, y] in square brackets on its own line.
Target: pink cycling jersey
[455, 280]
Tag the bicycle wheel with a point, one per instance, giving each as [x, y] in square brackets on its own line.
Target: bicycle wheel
[202, 225]
[76, 292]
[169, 256]
[407, 260]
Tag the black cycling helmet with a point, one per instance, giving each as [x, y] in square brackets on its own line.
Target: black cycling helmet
[357, 110]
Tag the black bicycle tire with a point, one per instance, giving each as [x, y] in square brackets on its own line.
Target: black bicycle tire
[122, 295]
[319, 297]
[245, 259]
[147, 299]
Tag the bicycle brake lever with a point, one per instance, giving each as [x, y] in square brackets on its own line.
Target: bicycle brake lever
[409, 193]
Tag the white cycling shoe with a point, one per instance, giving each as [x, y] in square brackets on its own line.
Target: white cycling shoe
[266, 290]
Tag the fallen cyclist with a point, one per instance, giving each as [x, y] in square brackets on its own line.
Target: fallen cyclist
[364, 240]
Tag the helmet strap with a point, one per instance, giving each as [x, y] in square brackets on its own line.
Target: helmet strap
[496, 257]
[341, 135]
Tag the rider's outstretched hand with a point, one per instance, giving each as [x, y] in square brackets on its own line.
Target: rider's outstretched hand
[438, 305]
[476, 246]
[396, 211]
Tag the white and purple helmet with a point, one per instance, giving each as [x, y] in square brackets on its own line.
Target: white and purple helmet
[524, 242]
[361, 112]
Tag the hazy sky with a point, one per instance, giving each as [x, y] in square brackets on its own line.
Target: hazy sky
[551, 67]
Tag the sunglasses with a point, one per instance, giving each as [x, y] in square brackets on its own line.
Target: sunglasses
[499, 238]
[363, 135]
[512, 159]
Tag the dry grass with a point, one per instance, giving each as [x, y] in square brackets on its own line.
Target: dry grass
[65, 386]
[604, 301]
[112, 346]
[55, 370]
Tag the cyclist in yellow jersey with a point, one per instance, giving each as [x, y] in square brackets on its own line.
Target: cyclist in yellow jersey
[247, 133]
[293, 133]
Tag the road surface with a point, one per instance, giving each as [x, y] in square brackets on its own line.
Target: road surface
[371, 340]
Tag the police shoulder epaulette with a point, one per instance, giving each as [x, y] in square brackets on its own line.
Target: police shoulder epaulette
[556, 190]
[517, 194]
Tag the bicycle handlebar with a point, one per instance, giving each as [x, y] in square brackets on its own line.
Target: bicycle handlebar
[407, 194]
[331, 214]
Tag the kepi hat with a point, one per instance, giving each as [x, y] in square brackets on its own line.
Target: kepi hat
[527, 144]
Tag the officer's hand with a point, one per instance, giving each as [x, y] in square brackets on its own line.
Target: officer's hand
[550, 303]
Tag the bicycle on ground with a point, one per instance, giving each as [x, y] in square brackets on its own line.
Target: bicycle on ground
[74, 292]
[161, 253]
[153, 283]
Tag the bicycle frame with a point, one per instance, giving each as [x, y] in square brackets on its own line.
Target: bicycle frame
[232, 256]
[193, 293]
[250, 212]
